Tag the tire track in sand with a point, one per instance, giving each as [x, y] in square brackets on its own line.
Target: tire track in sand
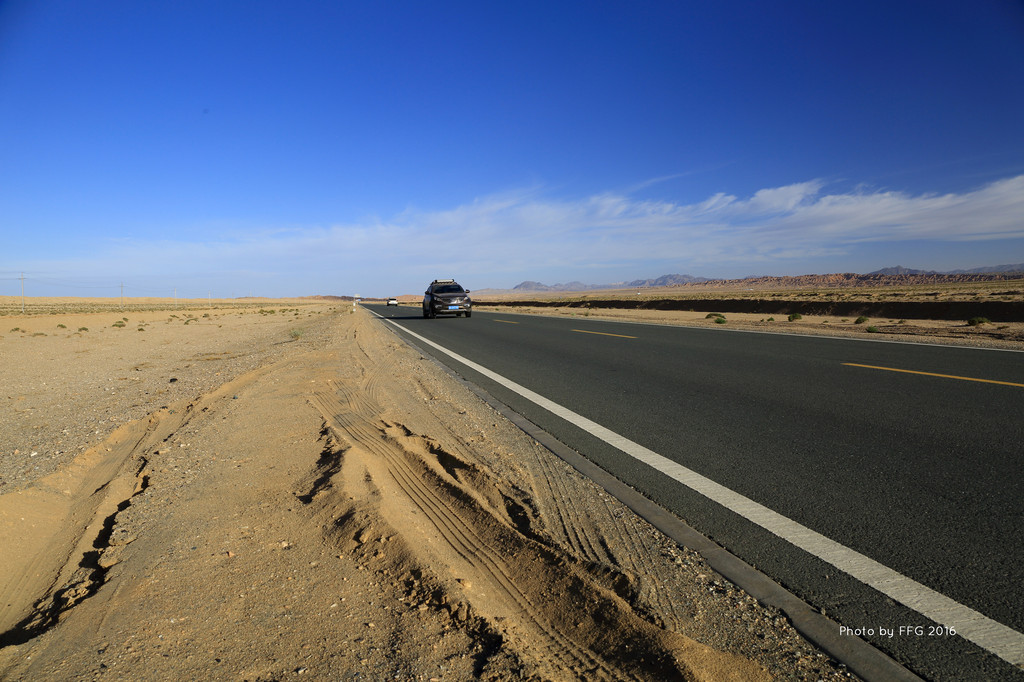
[460, 534]
[557, 612]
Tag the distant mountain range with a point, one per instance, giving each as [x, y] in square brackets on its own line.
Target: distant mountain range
[663, 281]
[900, 270]
[675, 280]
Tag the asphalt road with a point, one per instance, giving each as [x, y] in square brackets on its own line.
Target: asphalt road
[921, 470]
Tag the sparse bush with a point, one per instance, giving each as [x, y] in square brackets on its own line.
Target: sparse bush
[295, 334]
[711, 315]
[118, 324]
[125, 319]
[771, 319]
[39, 334]
[976, 321]
[83, 329]
[824, 321]
[62, 326]
[861, 320]
[16, 329]
[872, 330]
[140, 329]
[795, 316]
[719, 320]
[902, 322]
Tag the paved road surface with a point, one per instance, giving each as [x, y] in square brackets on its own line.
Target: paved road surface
[911, 455]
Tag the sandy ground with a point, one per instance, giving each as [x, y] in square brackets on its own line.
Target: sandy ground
[241, 494]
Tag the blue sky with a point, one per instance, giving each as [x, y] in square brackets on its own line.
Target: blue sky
[294, 148]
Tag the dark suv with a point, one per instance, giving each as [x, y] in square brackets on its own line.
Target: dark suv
[446, 297]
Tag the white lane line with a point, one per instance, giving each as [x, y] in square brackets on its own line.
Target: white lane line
[1004, 642]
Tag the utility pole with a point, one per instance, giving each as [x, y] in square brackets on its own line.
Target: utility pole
[23, 293]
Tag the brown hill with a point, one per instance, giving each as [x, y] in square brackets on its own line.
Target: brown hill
[850, 279]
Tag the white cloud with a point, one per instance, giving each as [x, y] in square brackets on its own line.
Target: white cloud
[518, 234]
[780, 200]
[774, 222]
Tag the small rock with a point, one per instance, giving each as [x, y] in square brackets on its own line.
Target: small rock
[121, 536]
[109, 558]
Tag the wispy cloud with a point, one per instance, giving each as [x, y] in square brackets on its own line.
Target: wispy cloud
[518, 234]
[774, 222]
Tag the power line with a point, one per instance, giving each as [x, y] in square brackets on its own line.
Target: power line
[44, 284]
[120, 287]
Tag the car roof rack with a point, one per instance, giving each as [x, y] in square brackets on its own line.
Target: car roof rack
[443, 281]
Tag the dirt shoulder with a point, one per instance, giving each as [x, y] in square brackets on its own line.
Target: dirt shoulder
[311, 496]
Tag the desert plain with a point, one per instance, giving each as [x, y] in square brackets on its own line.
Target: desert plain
[278, 489]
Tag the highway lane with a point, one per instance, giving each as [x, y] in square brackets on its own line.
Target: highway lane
[921, 473]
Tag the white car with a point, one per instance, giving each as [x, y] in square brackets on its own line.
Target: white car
[392, 301]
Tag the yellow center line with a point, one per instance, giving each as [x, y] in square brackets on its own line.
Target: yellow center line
[932, 374]
[506, 321]
[621, 336]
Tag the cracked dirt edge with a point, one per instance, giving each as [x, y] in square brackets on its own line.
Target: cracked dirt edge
[62, 522]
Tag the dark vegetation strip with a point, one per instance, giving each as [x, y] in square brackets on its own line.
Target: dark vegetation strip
[997, 311]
